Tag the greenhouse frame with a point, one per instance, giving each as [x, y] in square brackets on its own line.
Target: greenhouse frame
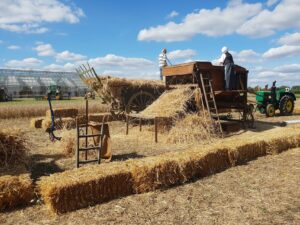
[35, 83]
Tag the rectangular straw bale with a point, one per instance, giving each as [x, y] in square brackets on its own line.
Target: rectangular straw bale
[86, 186]
[36, 122]
[15, 191]
[101, 117]
[175, 168]
[67, 112]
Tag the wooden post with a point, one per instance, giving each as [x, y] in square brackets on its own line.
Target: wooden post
[155, 127]
[127, 124]
[140, 122]
[87, 126]
[78, 143]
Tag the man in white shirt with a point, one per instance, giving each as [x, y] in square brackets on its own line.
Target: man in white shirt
[162, 61]
[227, 60]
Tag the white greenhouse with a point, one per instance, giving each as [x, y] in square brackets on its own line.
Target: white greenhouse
[32, 83]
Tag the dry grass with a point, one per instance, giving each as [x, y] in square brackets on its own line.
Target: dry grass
[15, 191]
[192, 129]
[156, 172]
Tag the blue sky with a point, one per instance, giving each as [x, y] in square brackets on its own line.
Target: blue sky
[124, 38]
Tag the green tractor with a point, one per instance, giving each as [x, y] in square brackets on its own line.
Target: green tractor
[269, 101]
[58, 93]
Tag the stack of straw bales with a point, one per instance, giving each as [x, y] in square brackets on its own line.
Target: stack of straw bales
[65, 112]
[171, 103]
[111, 88]
[89, 185]
[15, 191]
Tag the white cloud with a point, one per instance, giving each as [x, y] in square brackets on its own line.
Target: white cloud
[272, 2]
[290, 39]
[290, 68]
[282, 51]
[120, 61]
[45, 50]
[210, 22]
[25, 63]
[28, 16]
[1, 42]
[182, 54]
[246, 56]
[13, 47]
[285, 15]
[69, 56]
[68, 67]
[172, 14]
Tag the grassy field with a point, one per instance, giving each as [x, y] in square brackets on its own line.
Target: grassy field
[29, 107]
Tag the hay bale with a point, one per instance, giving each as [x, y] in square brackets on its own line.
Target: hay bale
[67, 122]
[15, 191]
[86, 186]
[65, 112]
[12, 148]
[171, 103]
[171, 169]
[36, 122]
[101, 117]
[67, 145]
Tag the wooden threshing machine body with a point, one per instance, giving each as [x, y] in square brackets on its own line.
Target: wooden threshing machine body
[189, 74]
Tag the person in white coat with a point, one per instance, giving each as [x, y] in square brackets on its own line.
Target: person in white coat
[162, 61]
[227, 60]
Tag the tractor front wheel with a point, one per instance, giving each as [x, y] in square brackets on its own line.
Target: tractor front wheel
[270, 110]
[286, 105]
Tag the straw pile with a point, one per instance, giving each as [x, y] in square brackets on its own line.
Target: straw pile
[172, 103]
[15, 191]
[36, 122]
[94, 184]
[193, 128]
[111, 88]
[12, 149]
[71, 112]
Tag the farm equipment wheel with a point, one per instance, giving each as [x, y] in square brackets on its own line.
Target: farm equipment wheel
[270, 110]
[248, 117]
[139, 101]
[286, 105]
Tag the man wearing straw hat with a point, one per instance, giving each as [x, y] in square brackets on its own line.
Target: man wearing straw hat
[227, 60]
[162, 61]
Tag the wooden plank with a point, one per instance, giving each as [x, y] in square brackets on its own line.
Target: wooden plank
[180, 69]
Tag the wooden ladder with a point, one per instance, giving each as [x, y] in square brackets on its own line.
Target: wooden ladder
[209, 98]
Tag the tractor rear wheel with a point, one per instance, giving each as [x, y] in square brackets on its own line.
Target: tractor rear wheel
[286, 105]
[139, 101]
[270, 110]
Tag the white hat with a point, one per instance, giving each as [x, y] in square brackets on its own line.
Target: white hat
[224, 49]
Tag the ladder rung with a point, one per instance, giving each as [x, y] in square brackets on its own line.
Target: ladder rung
[89, 148]
[89, 135]
[88, 161]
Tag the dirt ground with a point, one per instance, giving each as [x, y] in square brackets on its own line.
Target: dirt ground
[265, 191]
